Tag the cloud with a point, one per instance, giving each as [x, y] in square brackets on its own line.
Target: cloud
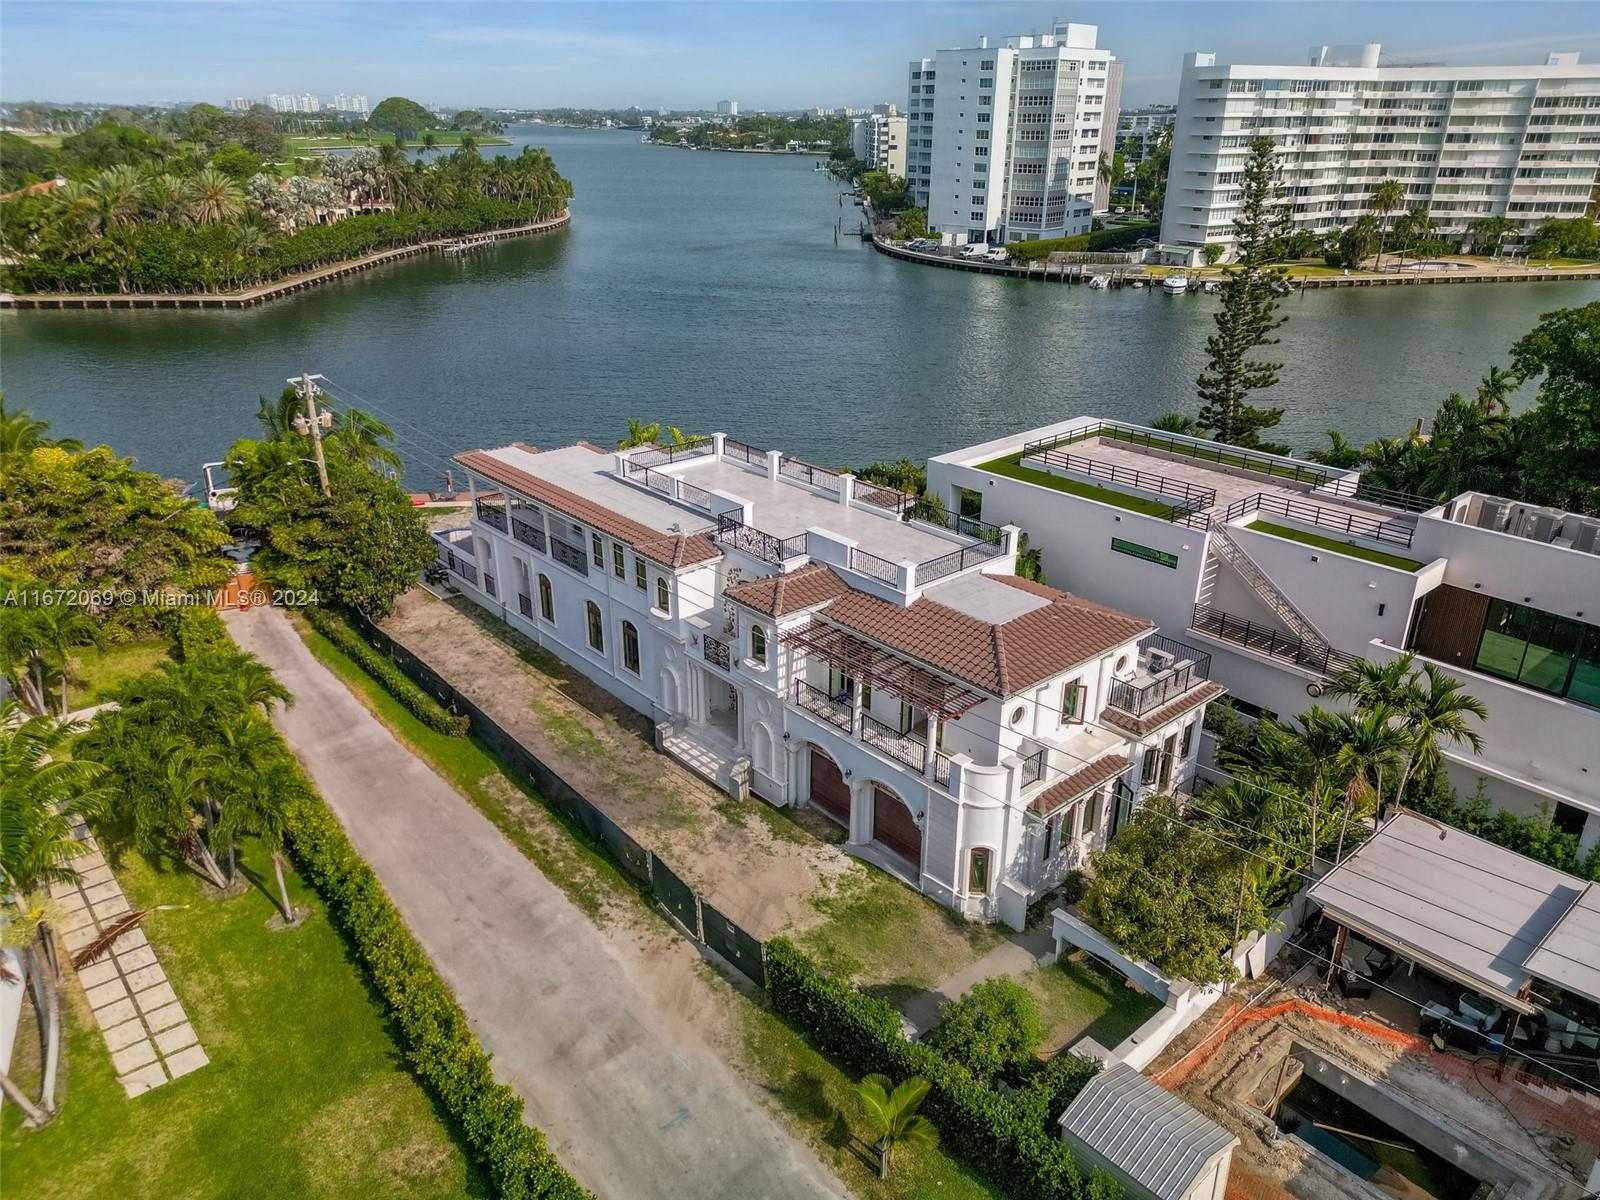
[559, 39]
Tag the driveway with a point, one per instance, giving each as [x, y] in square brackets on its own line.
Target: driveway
[629, 1096]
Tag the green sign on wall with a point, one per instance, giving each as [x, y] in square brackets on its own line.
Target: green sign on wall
[1160, 557]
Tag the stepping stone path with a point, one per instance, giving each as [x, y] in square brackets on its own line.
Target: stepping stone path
[146, 1029]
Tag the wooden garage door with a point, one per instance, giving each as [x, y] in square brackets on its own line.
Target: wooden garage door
[892, 824]
[829, 791]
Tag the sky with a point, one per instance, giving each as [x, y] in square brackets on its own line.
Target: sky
[673, 55]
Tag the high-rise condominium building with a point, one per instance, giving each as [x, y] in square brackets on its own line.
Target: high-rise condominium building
[880, 141]
[727, 108]
[1139, 129]
[1006, 140]
[1520, 142]
[345, 103]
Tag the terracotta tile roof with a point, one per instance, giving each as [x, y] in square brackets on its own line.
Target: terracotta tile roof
[1139, 726]
[1001, 659]
[790, 592]
[1069, 787]
[668, 549]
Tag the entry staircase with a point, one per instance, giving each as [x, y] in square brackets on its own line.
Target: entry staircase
[1280, 605]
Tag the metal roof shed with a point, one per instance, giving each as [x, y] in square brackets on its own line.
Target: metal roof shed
[1157, 1146]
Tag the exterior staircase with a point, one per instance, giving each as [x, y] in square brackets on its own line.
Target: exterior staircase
[1280, 605]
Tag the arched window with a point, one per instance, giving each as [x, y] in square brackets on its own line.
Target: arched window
[597, 628]
[978, 861]
[547, 600]
[663, 595]
[630, 647]
[758, 644]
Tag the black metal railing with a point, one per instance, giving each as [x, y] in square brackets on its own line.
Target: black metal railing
[461, 566]
[743, 453]
[1357, 487]
[886, 498]
[698, 497]
[819, 702]
[966, 526]
[765, 546]
[1357, 524]
[488, 583]
[941, 769]
[956, 560]
[805, 472]
[1033, 768]
[1192, 496]
[1274, 643]
[871, 564]
[694, 448]
[528, 535]
[906, 747]
[1173, 669]
[716, 652]
[492, 515]
[656, 481]
[525, 605]
[569, 555]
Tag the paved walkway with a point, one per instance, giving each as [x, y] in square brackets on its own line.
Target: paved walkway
[145, 1027]
[1016, 956]
[628, 1094]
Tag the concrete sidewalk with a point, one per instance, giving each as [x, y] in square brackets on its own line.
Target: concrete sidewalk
[628, 1093]
[1018, 955]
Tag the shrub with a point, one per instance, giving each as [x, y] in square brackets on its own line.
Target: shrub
[416, 701]
[1004, 1138]
[439, 1046]
[200, 631]
[994, 1027]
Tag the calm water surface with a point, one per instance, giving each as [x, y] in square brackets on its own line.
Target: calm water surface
[706, 290]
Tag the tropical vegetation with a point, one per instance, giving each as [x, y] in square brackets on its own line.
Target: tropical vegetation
[995, 1027]
[891, 1114]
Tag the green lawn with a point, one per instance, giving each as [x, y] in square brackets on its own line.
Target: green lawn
[583, 871]
[889, 939]
[1011, 467]
[96, 670]
[1082, 998]
[306, 1094]
[1380, 557]
[445, 137]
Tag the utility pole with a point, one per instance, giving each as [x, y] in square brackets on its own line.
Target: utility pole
[314, 423]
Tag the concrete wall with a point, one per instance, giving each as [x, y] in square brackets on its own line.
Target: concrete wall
[1553, 579]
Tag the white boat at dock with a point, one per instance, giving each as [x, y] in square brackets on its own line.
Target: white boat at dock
[1099, 282]
[1175, 285]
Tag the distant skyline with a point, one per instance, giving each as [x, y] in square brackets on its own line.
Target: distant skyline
[681, 56]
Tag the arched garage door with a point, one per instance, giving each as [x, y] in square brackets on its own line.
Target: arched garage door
[894, 826]
[829, 791]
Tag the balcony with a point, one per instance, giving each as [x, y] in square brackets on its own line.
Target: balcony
[819, 703]
[716, 652]
[569, 556]
[492, 515]
[1033, 768]
[907, 748]
[1166, 670]
[752, 541]
[529, 535]
[1264, 639]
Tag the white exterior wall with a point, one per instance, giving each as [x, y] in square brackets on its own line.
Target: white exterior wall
[1468, 142]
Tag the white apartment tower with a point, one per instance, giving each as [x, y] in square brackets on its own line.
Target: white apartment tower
[1006, 140]
[880, 142]
[1468, 142]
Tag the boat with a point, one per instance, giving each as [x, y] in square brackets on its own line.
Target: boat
[1098, 283]
[1175, 285]
[1136, 283]
[1212, 287]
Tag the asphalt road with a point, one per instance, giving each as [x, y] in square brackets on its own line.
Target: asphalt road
[630, 1098]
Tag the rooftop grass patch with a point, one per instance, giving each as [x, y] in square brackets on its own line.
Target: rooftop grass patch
[1011, 467]
[306, 1093]
[1336, 545]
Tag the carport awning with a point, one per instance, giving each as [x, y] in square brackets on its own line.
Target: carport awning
[872, 664]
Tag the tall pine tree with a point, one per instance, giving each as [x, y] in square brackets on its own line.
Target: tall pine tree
[1248, 315]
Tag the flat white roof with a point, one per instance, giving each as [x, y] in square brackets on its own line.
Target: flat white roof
[1461, 906]
[1569, 955]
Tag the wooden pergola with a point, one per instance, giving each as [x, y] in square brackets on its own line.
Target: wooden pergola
[872, 664]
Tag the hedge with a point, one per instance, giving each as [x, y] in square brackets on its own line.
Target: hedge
[1012, 1141]
[199, 631]
[416, 701]
[439, 1046]
[1100, 239]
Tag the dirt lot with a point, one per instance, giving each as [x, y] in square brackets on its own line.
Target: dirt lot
[1227, 1066]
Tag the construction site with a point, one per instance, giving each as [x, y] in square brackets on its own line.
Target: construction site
[1331, 1099]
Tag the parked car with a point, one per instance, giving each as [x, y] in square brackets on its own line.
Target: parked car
[975, 250]
[998, 254]
[1145, 242]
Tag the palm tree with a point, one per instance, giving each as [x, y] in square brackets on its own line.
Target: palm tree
[1368, 684]
[1340, 453]
[1176, 422]
[1438, 710]
[21, 431]
[277, 417]
[1494, 389]
[164, 200]
[214, 198]
[359, 437]
[39, 788]
[640, 433]
[56, 629]
[1370, 746]
[261, 808]
[1389, 196]
[118, 191]
[429, 141]
[891, 1114]
[1030, 561]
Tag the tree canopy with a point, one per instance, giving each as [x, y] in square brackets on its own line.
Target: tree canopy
[400, 116]
[995, 1027]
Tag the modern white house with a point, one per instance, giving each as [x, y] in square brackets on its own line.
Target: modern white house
[879, 140]
[803, 635]
[1005, 141]
[1521, 142]
[1284, 571]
